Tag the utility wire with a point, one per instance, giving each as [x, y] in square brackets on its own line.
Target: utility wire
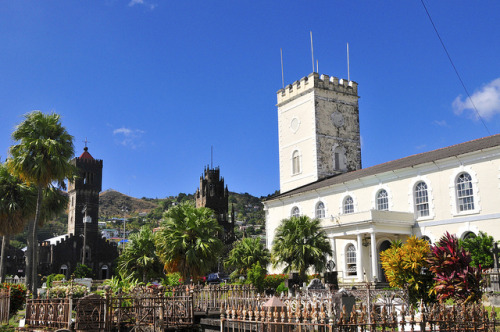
[455, 68]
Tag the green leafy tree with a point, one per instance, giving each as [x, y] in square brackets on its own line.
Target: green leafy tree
[83, 271]
[300, 243]
[403, 265]
[139, 259]
[40, 157]
[17, 201]
[188, 242]
[245, 253]
[480, 250]
[256, 275]
[454, 276]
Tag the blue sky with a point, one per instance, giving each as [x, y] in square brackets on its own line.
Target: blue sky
[153, 84]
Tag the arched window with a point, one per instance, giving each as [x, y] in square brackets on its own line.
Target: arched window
[426, 238]
[320, 210]
[295, 212]
[295, 162]
[382, 200]
[348, 205]
[421, 200]
[468, 235]
[104, 272]
[350, 260]
[465, 194]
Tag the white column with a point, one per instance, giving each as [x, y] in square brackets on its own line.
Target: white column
[334, 251]
[373, 242]
[359, 259]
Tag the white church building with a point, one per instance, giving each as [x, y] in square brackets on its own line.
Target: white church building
[454, 189]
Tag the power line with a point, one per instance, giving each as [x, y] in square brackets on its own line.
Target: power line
[455, 68]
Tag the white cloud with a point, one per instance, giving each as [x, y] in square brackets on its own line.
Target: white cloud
[441, 123]
[128, 137]
[141, 2]
[486, 100]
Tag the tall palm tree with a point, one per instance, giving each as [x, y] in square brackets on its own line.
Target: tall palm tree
[245, 253]
[188, 241]
[139, 259]
[17, 202]
[300, 243]
[40, 157]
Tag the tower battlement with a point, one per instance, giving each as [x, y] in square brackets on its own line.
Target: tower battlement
[97, 162]
[314, 80]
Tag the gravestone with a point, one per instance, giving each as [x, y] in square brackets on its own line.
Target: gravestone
[343, 298]
[315, 284]
[293, 283]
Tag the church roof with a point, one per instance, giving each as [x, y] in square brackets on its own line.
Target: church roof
[86, 154]
[410, 161]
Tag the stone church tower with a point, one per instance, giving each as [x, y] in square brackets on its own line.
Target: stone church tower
[212, 194]
[318, 119]
[84, 191]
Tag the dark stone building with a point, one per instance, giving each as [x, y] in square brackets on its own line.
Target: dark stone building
[212, 194]
[63, 253]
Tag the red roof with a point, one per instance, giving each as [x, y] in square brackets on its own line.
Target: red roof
[86, 154]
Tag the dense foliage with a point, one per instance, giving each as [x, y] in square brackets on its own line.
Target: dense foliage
[300, 243]
[17, 296]
[256, 275]
[83, 271]
[139, 258]
[245, 253]
[188, 242]
[404, 265]
[454, 276]
[480, 250]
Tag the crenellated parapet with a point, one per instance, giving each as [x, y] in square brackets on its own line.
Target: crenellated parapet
[315, 80]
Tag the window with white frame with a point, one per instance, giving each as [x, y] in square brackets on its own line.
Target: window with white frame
[295, 212]
[320, 210]
[421, 200]
[382, 200]
[465, 193]
[348, 206]
[295, 162]
[350, 259]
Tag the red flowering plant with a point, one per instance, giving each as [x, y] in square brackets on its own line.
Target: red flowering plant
[454, 275]
[17, 296]
[272, 281]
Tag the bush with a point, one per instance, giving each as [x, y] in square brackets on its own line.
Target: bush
[83, 271]
[272, 281]
[53, 277]
[172, 279]
[480, 250]
[65, 290]
[17, 296]
[256, 276]
[281, 288]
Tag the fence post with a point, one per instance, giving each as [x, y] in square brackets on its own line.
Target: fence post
[70, 309]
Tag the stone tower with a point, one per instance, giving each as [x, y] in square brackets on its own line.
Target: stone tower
[84, 190]
[318, 119]
[212, 194]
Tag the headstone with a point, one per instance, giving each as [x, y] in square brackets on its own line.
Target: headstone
[315, 284]
[293, 282]
[343, 298]
[331, 278]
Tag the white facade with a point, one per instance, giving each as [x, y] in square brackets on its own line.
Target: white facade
[454, 189]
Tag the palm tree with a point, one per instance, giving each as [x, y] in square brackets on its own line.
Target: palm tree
[17, 202]
[188, 242]
[300, 243]
[139, 259]
[41, 157]
[245, 253]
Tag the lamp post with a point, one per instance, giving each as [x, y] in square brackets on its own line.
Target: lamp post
[85, 221]
[124, 210]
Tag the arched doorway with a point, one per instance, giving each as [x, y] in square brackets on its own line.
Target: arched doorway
[383, 247]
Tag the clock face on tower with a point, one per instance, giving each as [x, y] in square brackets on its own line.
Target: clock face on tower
[337, 119]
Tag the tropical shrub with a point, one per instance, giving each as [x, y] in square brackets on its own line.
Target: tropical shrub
[404, 265]
[124, 285]
[244, 254]
[17, 296]
[454, 275]
[256, 275]
[83, 271]
[67, 289]
[172, 279]
[480, 250]
[53, 277]
[272, 281]
[281, 289]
